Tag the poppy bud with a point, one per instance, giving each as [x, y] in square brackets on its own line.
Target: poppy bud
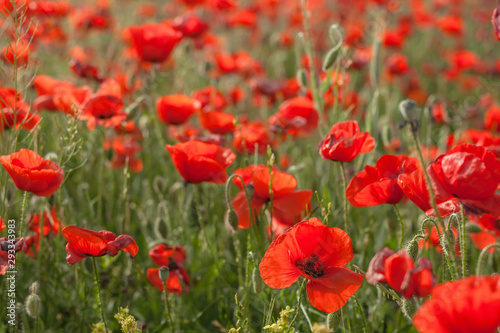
[33, 305]
[231, 219]
[409, 110]
[34, 288]
[302, 79]
[257, 281]
[333, 321]
[409, 307]
[163, 272]
[473, 228]
[330, 58]
[412, 249]
[449, 236]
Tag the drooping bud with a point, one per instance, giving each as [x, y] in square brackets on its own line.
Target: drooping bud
[473, 228]
[333, 320]
[409, 110]
[231, 219]
[34, 288]
[33, 305]
[330, 58]
[302, 79]
[412, 249]
[163, 272]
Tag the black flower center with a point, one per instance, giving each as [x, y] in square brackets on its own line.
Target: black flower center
[311, 266]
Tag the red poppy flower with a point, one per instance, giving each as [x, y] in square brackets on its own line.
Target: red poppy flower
[399, 271]
[30, 172]
[51, 222]
[414, 186]
[2, 224]
[18, 119]
[172, 257]
[17, 53]
[6, 245]
[490, 231]
[210, 98]
[297, 117]
[466, 305]
[250, 137]
[492, 118]
[217, 122]
[379, 185]
[480, 138]
[88, 243]
[287, 202]
[190, 25]
[344, 142]
[471, 174]
[318, 253]
[495, 20]
[154, 42]
[452, 25]
[176, 109]
[199, 162]
[397, 64]
[105, 107]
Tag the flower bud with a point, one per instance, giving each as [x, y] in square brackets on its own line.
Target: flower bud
[163, 272]
[34, 288]
[231, 219]
[256, 281]
[302, 79]
[473, 228]
[33, 305]
[409, 110]
[330, 58]
[333, 320]
[412, 249]
[409, 307]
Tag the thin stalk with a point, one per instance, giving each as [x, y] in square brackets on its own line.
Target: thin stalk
[463, 243]
[301, 291]
[99, 297]
[479, 267]
[449, 255]
[200, 221]
[25, 200]
[346, 207]
[167, 303]
[402, 226]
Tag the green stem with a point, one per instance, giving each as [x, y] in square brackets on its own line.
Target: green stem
[25, 200]
[301, 291]
[202, 226]
[346, 207]
[463, 243]
[402, 226]
[449, 254]
[99, 297]
[479, 267]
[167, 303]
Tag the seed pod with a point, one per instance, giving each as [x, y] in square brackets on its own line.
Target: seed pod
[412, 249]
[163, 272]
[409, 307]
[409, 110]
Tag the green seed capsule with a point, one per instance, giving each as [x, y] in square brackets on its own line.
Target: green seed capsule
[330, 58]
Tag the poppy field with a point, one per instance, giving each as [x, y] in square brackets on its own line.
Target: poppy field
[243, 166]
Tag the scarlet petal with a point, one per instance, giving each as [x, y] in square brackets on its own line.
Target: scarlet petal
[282, 183]
[291, 205]
[396, 267]
[125, 243]
[154, 278]
[84, 242]
[331, 292]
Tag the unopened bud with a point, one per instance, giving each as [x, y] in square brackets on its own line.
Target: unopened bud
[33, 305]
[409, 110]
[412, 249]
[330, 58]
[449, 237]
[409, 307]
[34, 288]
[257, 281]
[231, 219]
[302, 79]
[473, 228]
[163, 272]
[333, 320]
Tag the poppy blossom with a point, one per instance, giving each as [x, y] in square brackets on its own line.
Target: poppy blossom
[495, 20]
[176, 109]
[318, 253]
[399, 271]
[154, 42]
[88, 243]
[7, 244]
[344, 142]
[490, 231]
[466, 305]
[217, 122]
[296, 116]
[199, 162]
[210, 98]
[379, 184]
[492, 118]
[471, 174]
[250, 137]
[190, 25]
[414, 186]
[172, 257]
[287, 202]
[2, 224]
[30, 172]
[397, 64]
[18, 119]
